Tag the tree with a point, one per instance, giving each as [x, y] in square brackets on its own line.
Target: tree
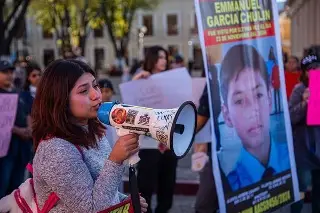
[10, 23]
[118, 16]
[69, 20]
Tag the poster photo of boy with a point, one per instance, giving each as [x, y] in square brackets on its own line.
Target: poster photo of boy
[246, 107]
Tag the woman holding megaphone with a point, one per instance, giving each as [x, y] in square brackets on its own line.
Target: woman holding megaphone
[73, 158]
[157, 165]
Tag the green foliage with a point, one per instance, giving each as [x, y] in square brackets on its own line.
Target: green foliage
[73, 15]
[69, 19]
[119, 14]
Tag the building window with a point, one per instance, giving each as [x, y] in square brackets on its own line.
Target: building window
[98, 33]
[172, 24]
[194, 30]
[47, 34]
[147, 21]
[99, 58]
[48, 56]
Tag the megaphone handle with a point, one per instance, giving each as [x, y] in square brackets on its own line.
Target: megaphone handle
[134, 159]
[134, 191]
[133, 183]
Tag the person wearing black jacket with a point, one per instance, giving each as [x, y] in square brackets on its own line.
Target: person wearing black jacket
[207, 199]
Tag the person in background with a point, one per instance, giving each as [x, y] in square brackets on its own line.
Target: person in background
[178, 62]
[20, 73]
[78, 55]
[125, 77]
[12, 166]
[306, 138]
[107, 90]
[157, 166]
[33, 77]
[292, 74]
[136, 67]
[107, 93]
[206, 198]
[275, 81]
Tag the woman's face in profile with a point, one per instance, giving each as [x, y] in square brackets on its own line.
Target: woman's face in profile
[85, 98]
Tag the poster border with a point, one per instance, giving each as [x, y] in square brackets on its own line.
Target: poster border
[296, 191]
[215, 164]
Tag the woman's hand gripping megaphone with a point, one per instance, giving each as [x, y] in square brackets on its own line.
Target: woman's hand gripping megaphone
[133, 148]
[111, 115]
[126, 147]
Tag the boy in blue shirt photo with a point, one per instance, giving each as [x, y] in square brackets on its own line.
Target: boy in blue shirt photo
[247, 105]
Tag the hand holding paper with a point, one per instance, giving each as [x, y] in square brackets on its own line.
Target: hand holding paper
[199, 160]
[8, 108]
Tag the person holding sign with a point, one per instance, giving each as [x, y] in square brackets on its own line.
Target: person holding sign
[306, 138]
[12, 165]
[157, 166]
[73, 157]
[28, 94]
[247, 104]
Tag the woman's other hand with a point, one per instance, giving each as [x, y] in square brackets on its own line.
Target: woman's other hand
[141, 75]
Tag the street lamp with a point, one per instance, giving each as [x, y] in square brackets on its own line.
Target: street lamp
[142, 31]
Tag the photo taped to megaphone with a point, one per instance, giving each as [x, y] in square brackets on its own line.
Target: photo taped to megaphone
[175, 128]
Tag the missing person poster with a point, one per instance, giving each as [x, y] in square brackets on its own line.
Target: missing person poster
[253, 158]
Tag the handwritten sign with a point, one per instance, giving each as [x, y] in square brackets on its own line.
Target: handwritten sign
[161, 91]
[8, 109]
[123, 207]
[204, 135]
[143, 93]
[313, 113]
[176, 86]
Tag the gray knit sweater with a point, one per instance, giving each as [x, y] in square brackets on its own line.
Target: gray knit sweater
[83, 184]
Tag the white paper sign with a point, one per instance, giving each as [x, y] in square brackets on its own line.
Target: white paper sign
[8, 109]
[204, 135]
[144, 93]
[160, 91]
[198, 85]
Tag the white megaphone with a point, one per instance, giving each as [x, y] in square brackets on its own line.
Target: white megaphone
[175, 128]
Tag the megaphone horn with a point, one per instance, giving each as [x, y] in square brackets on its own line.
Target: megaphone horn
[173, 127]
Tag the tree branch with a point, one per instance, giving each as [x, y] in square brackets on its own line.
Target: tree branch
[109, 22]
[126, 37]
[14, 11]
[14, 29]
